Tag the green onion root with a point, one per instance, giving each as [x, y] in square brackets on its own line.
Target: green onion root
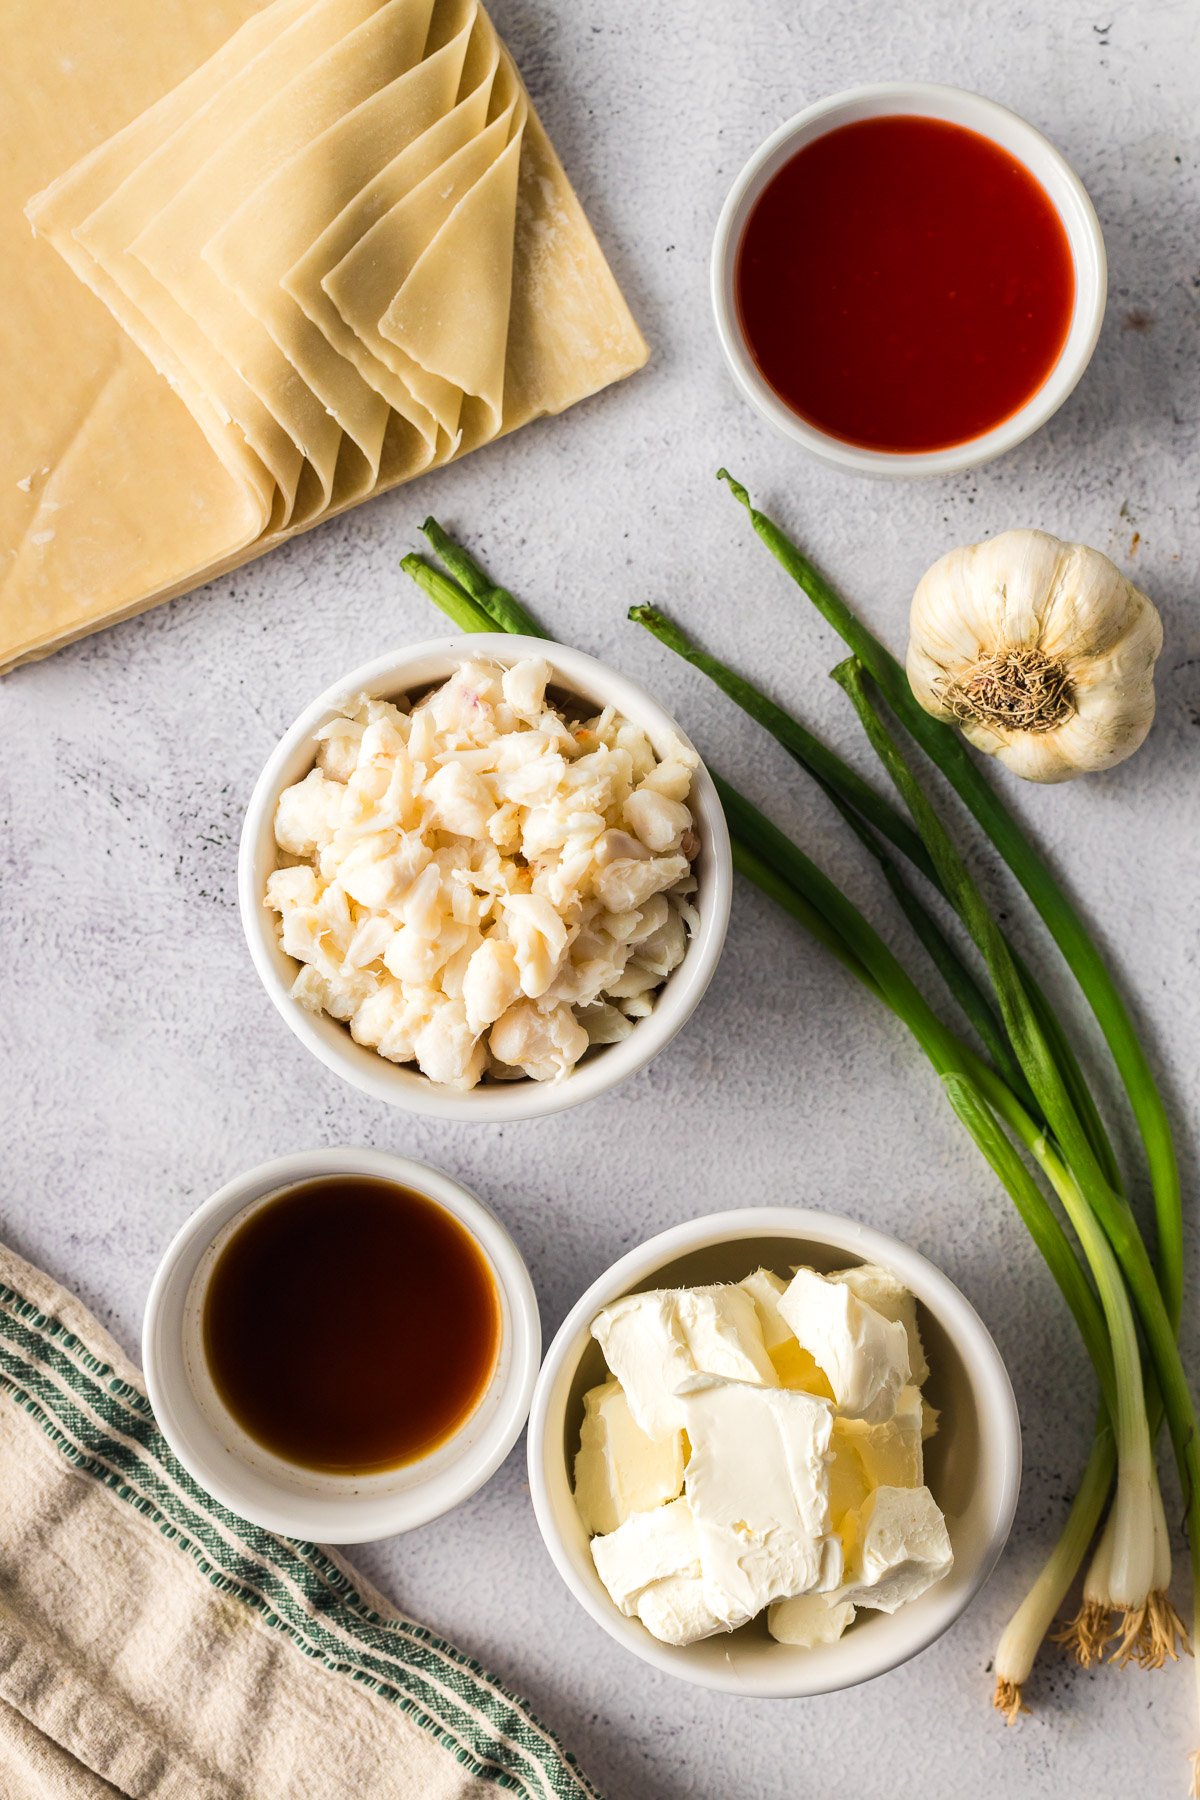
[1152, 1632]
[1022, 1637]
[1086, 1635]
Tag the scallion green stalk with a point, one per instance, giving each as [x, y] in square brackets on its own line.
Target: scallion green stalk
[1086, 1197]
[1079, 1099]
[500, 606]
[1080, 1166]
[945, 748]
[447, 596]
[860, 806]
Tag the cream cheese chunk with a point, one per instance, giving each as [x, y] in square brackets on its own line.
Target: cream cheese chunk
[848, 1483]
[794, 1367]
[685, 1608]
[618, 1469]
[809, 1619]
[885, 1294]
[891, 1454]
[787, 1413]
[864, 1355]
[648, 1547]
[654, 1343]
[766, 1289]
[757, 1483]
[899, 1548]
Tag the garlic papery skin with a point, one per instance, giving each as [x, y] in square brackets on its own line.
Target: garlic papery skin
[1042, 652]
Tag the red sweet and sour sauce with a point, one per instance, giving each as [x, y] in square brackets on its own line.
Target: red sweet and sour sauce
[904, 284]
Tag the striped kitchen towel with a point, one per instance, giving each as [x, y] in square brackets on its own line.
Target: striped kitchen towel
[155, 1645]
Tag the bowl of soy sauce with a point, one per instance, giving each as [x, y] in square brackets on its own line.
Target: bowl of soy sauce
[341, 1345]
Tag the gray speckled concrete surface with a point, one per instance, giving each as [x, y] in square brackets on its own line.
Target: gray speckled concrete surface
[142, 1064]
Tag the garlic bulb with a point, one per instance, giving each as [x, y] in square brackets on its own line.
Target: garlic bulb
[1041, 651]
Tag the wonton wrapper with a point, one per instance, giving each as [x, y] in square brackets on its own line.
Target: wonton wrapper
[220, 226]
[277, 224]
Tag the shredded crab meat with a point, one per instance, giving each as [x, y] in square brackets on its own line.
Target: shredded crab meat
[482, 886]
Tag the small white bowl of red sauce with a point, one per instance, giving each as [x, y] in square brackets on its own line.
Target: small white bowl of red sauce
[908, 279]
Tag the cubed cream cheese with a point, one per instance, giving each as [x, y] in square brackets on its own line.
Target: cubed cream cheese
[766, 1290]
[879, 1289]
[794, 1367]
[809, 1619]
[684, 1608]
[891, 1454]
[618, 1469]
[899, 1548]
[864, 1355]
[848, 1483]
[655, 1342]
[648, 1547]
[757, 1483]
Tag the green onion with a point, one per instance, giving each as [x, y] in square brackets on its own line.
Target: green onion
[1062, 1133]
[835, 776]
[941, 743]
[496, 602]
[1023, 1635]
[447, 595]
[944, 748]
[847, 790]
[1086, 1197]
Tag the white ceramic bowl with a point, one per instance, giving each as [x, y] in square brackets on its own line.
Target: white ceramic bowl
[957, 107]
[263, 1487]
[973, 1464]
[413, 670]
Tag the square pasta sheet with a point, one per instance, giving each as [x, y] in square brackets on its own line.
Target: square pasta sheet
[303, 254]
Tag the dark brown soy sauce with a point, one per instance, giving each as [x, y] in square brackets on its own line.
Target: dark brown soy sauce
[351, 1325]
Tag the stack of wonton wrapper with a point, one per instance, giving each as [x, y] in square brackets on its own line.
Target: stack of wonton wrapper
[286, 258]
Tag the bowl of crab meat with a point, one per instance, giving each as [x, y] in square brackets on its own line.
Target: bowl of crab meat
[485, 877]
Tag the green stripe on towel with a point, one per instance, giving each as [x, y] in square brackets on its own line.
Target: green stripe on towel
[104, 1426]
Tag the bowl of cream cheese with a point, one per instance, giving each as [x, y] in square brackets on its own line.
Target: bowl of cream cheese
[791, 1364]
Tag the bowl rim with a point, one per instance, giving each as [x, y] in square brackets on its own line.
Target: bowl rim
[498, 1103]
[1001, 1476]
[355, 1517]
[1049, 167]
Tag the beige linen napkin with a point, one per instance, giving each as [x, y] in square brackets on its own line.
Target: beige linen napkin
[154, 1645]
